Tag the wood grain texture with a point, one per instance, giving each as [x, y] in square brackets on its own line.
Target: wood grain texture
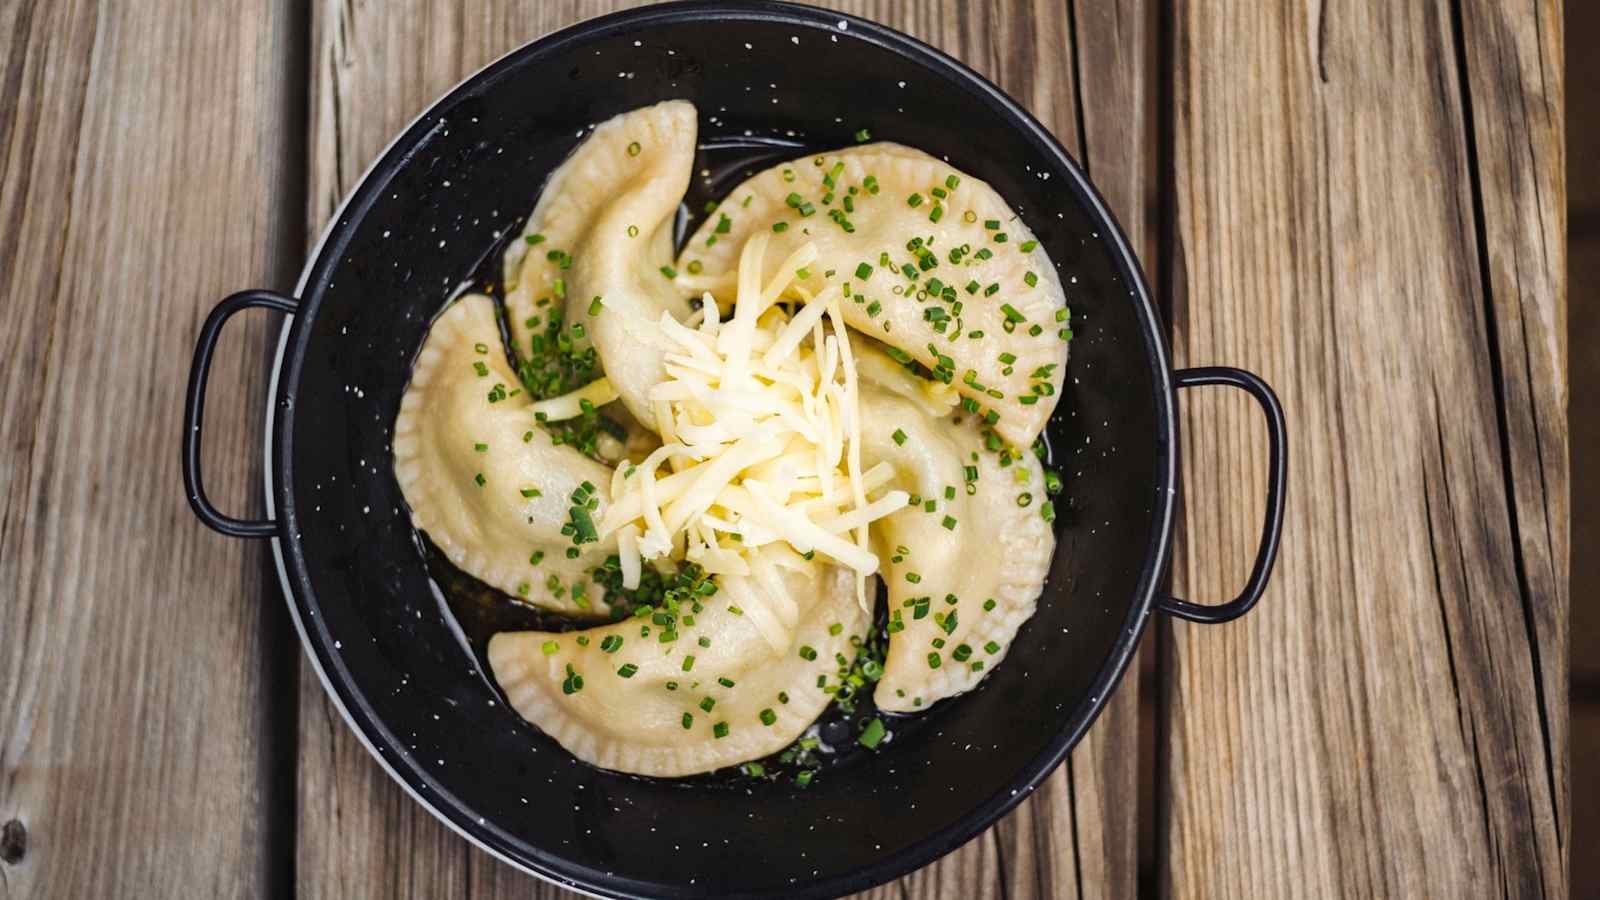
[1377, 726]
[373, 68]
[146, 170]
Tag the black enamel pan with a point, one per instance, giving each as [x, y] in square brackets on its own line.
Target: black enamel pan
[393, 650]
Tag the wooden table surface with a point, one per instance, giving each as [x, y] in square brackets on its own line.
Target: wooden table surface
[1362, 201]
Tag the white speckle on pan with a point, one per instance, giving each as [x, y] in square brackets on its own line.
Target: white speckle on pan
[365, 510]
[447, 183]
[638, 43]
[794, 40]
[441, 245]
[843, 25]
[747, 46]
[386, 233]
[338, 645]
[902, 84]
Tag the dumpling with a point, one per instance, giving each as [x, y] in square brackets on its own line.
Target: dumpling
[624, 697]
[602, 231]
[937, 265]
[964, 575]
[482, 478]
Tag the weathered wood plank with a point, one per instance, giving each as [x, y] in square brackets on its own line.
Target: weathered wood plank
[147, 167]
[1373, 728]
[372, 70]
[1513, 52]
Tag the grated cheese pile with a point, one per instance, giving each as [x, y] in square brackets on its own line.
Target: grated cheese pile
[760, 426]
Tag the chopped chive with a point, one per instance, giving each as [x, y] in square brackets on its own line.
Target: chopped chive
[949, 523]
[913, 577]
[595, 306]
[874, 308]
[1012, 315]
[899, 437]
[531, 493]
[872, 734]
[534, 240]
[669, 272]
[1031, 279]
[949, 622]
[634, 148]
[936, 213]
[933, 661]
[1028, 246]
[720, 729]
[988, 604]
[612, 643]
[863, 135]
[480, 368]
[807, 653]
[628, 670]
[768, 717]
[633, 231]
[479, 479]
[688, 720]
[550, 648]
[688, 662]
[914, 200]
[707, 704]
[780, 227]
[863, 271]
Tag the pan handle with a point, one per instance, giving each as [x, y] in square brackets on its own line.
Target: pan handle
[194, 412]
[1277, 482]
